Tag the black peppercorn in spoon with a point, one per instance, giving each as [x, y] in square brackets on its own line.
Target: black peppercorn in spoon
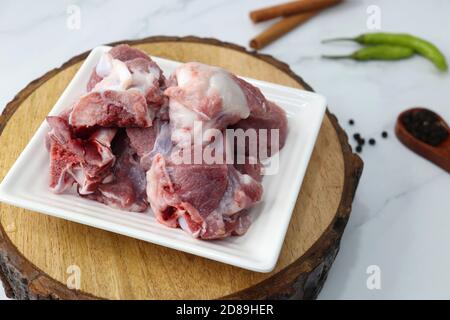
[426, 133]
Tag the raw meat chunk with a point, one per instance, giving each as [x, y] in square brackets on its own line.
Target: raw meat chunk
[126, 89]
[204, 200]
[125, 68]
[111, 108]
[126, 190]
[86, 162]
[122, 53]
[209, 95]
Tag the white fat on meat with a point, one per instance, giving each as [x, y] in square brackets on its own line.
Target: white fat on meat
[143, 81]
[117, 76]
[233, 99]
[207, 94]
[204, 81]
[182, 121]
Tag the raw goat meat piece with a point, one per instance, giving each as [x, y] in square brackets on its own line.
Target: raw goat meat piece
[272, 118]
[125, 90]
[86, 162]
[111, 108]
[120, 52]
[124, 68]
[126, 189]
[210, 95]
[207, 201]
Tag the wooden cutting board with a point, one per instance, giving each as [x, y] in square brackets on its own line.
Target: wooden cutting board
[38, 252]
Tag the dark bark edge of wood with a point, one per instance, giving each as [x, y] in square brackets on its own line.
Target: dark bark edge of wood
[302, 279]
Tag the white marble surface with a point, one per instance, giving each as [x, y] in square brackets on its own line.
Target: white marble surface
[401, 213]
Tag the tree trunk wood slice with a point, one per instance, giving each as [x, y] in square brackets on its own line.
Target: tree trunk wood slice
[36, 250]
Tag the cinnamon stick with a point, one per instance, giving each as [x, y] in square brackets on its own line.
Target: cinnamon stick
[280, 28]
[291, 8]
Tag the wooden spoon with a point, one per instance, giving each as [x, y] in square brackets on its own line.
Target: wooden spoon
[439, 155]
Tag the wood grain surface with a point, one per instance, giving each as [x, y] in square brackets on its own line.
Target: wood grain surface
[36, 250]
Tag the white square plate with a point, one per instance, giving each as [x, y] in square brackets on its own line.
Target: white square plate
[257, 250]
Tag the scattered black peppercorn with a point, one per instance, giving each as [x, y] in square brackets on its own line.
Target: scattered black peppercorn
[360, 141]
[426, 126]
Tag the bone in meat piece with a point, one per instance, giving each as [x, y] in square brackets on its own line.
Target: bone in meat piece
[111, 108]
[73, 160]
[126, 190]
[209, 95]
[124, 68]
[120, 52]
[206, 200]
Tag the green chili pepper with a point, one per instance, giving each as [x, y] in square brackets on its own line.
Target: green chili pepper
[422, 47]
[381, 52]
